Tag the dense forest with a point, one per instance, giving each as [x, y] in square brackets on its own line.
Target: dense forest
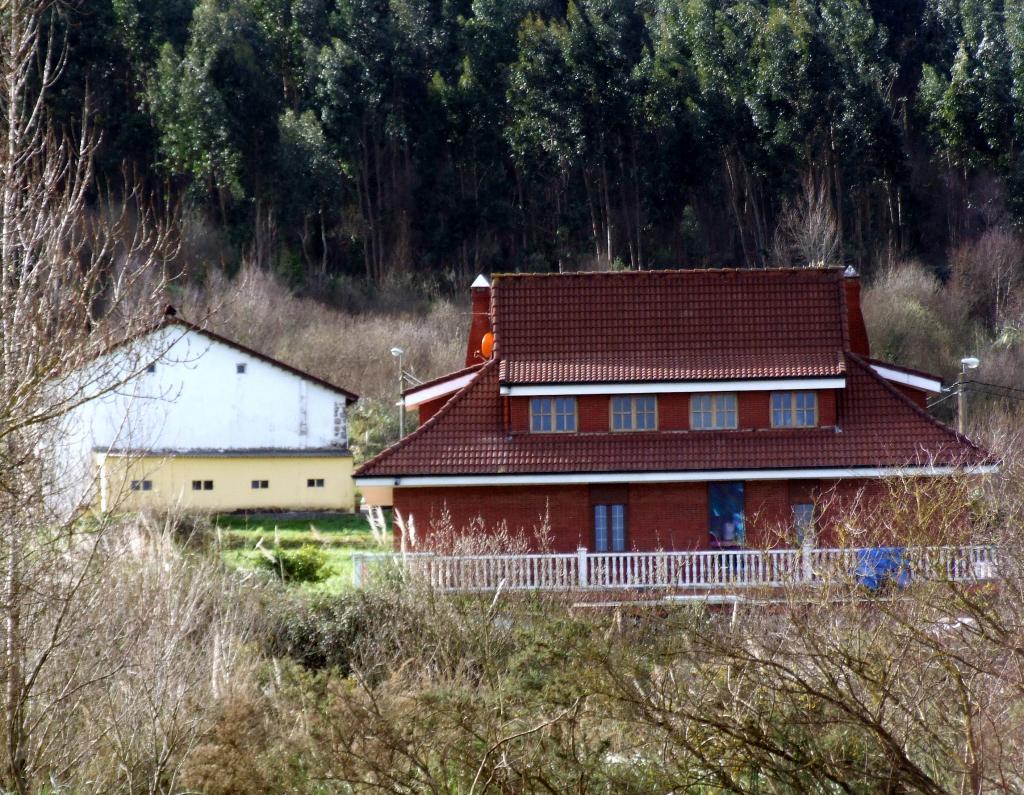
[423, 141]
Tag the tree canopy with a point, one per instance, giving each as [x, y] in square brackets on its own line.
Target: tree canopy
[388, 138]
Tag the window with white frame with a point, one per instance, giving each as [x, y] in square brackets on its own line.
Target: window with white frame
[557, 415]
[142, 485]
[794, 409]
[610, 528]
[261, 484]
[634, 413]
[314, 483]
[715, 411]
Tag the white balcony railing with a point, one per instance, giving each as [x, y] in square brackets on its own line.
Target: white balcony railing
[712, 569]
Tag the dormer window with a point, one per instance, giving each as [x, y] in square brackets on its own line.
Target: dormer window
[794, 409]
[713, 412]
[556, 415]
[634, 413]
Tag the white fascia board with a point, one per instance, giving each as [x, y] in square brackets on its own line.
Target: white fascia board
[417, 397]
[575, 478]
[654, 387]
[908, 379]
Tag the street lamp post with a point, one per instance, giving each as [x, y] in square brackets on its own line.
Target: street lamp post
[397, 353]
[967, 363]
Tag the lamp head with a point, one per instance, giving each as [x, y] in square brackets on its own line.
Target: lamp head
[970, 363]
[396, 352]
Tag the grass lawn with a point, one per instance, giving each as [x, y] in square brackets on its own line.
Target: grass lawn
[339, 535]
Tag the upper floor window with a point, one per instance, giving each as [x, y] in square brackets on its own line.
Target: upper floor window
[714, 411]
[794, 409]
[634, 413]
[553, 414]
[240, 368]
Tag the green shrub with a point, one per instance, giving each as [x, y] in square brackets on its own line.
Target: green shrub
[308, 563]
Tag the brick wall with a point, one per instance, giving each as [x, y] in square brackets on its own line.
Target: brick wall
[671, 516]
[754, 409]
[519, 414]
[827, 407]
[521, 508]
[674, 412]
[918, 397]
[593, 413]
[431, 407]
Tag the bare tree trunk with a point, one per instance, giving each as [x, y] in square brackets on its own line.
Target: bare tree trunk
[737, 214]
[591, 202]
[75, 281]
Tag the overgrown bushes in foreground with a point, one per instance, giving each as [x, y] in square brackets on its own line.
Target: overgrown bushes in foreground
[168, 674]
[410, 691]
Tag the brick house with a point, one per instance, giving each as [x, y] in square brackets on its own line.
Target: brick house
[663, 410]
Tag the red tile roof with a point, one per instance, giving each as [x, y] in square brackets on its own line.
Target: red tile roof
[878, 427]
[669, 325]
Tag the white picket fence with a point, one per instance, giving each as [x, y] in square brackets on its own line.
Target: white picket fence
[711, 569]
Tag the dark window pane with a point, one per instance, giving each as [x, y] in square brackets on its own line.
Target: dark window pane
[726, 513]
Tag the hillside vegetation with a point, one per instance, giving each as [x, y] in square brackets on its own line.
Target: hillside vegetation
[419, 142]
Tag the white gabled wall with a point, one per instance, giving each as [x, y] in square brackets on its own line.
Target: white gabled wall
[196, 399]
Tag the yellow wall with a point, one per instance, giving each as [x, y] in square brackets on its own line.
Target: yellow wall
[232, 482]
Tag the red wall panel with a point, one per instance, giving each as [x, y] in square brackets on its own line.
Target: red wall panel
[522, 509]
[660, 516]
[917, 397]
[826, 407]
[592, 413]
[520, 413]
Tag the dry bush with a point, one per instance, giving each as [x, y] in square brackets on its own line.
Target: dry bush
[822, 690]
[807, 234]
[150, 641]
[911, 321]
[443, 537]
[986, 277]
[347, 348]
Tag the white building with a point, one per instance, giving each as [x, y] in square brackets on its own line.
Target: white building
[201, 421]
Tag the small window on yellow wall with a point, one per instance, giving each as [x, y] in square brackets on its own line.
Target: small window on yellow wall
[634, 413]
[715, 411]
[794, 409]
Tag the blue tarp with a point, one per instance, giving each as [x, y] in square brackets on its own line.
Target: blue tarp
[883, 566]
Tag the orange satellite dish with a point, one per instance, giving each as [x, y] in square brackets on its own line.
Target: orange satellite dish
[487, 345]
